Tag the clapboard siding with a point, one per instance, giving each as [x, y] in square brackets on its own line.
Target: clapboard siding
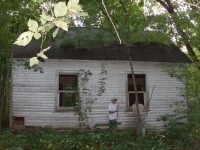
[34, 94]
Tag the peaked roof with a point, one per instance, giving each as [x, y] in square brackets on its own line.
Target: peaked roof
[96, 50]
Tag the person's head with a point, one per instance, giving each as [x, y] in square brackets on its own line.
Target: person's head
[114, 100]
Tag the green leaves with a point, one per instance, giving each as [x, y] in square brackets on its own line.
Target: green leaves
[35, 61]
[60, 9]
[27, 36]
[24, 38]
[60, 17]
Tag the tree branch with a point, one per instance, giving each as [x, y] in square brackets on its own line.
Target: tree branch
[163, 3]
[106, 15]
[120, 41]
[169, 7]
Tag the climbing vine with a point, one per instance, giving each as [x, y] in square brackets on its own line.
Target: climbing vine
[101, 82]
[25, 64]
[84, 99]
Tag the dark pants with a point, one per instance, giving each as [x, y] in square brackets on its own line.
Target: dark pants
[112, 124]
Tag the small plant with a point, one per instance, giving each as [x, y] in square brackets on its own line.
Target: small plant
[177, 128]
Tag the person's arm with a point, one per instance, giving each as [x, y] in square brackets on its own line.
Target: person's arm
[133, 108]
[111, 112]
[145, 109]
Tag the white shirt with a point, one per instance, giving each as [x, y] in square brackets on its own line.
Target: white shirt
[112, 107]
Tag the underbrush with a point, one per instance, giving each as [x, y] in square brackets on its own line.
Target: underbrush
[46, 139]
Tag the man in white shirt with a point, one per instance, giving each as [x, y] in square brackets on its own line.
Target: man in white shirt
[143, 113]
[113, 113]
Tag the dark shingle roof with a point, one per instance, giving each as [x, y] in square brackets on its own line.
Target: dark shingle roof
[151, 52]
[96, 50]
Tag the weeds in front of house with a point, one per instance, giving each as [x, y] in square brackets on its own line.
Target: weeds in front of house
[46, 139]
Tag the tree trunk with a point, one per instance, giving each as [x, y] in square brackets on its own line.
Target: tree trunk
[138, 123]
[3, 92]
[3, 101]
[128, 43]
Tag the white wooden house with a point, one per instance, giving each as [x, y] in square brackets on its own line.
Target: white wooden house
[48, 99]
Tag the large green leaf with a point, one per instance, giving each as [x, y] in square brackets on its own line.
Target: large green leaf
[60, 9]
[24, 38]
[37, 35]
[33, 61]
[47, 29]
[72, 3]
[42, 21]
[33, 25]
[55, 32]
[73, 6]
[61, 24]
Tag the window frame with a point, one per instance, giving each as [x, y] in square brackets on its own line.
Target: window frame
[144, 92]
[57, 99]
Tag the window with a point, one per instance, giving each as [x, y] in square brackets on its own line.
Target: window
[141, 87]
[67, 92]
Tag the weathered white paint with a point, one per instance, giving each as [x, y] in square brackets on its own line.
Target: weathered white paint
[35, 94]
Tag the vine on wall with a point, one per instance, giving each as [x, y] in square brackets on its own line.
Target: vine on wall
[85, 97]
[101, 82]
